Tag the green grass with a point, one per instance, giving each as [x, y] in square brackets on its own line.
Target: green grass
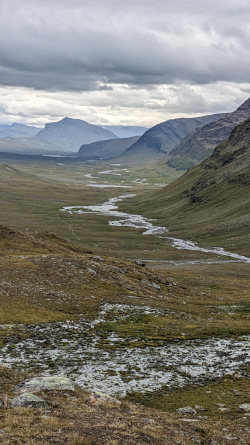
[230, 392]
[209, 300]
[32, 195]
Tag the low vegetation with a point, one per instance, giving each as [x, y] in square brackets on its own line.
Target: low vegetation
[210, 203]
[47, 279]
[95, 298]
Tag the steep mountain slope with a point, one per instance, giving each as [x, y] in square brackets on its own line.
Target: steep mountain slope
[126, 131]
[17, 130]
[212, 200]
[105, 149]
[200, 144]
[163, 137]
[66, 135]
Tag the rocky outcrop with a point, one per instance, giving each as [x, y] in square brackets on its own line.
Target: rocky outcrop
[36, 384]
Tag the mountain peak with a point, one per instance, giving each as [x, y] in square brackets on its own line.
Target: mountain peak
[69, 134]
[245, 105]
[71, 120]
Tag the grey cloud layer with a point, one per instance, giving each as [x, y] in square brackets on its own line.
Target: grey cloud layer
[85, 45]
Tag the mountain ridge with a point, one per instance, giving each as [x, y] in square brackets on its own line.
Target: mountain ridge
[126, 131]
[17, 130]
[64, 136]
[163, 137]
[199, 144]
[214, 197]
[107, 149]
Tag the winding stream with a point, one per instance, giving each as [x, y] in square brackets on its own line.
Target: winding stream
[113, 364]
[110, 208]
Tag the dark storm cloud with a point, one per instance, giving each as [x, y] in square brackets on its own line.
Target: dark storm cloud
[86, 45]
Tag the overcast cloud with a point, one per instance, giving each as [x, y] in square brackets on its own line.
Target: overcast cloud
[111, 61]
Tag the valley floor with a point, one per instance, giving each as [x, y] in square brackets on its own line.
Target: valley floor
[166, 336]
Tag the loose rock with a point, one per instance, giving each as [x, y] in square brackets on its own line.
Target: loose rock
[99, 398]
[37, 384]
[28, 400]
[155, 285]
[170, 282]
[199, 408]
[245, 407]
[186, 410]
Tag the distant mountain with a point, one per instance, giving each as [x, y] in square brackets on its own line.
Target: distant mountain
[200, 144]
[17, 130]
[72, 133]
[64, 136]
[211, 201]
[109, 149]
[127, 131]
[163, 137]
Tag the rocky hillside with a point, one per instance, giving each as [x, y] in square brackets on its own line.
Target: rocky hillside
[163, 137]
[199, 145]
[109, 149]
[213, 199]
[230, 163]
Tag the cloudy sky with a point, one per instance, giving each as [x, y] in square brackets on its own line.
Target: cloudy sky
[122, 62]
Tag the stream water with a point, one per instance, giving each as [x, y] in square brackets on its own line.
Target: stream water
[115, 365]
[110, 208]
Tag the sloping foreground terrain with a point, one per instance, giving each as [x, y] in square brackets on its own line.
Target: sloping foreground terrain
[211, 202]
[199, 144]
[165, 341]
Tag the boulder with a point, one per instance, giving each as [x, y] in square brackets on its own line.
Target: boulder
[28, 400]
[54, 383]
[186, 410]
[245, 407]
